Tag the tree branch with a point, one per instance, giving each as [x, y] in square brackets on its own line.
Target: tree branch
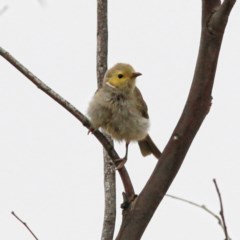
[203, 207]
[25, 225]
[137, 217]
[102, 40]
[224, 225]
[76, 113]
[109, 168]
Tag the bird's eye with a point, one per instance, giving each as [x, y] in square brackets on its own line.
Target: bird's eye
[120, 75]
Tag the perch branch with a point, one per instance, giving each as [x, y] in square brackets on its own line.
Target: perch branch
[76, 113]
[24, 224]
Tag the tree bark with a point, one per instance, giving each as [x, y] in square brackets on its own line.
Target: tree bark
[102, 40]
[137, 216]
[109, 167]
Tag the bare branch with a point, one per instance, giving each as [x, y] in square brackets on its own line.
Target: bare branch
[109, 168]
[110, 198]
[201, 206]
[218, 17]
[227, 6]
[24, 224]
[221, 219]
[137, 217]
[102, 40]
[76, 113]
[222, 211]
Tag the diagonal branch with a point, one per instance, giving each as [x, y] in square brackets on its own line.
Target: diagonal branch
[76, 113]
[24, 224]
[137, 217]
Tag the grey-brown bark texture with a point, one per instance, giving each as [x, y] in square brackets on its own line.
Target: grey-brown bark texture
[140, 212]
[102, 40]
[109, 167]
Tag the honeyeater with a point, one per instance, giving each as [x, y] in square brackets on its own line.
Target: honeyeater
[119, 109]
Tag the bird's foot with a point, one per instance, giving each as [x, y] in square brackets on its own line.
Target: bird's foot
[120, 163]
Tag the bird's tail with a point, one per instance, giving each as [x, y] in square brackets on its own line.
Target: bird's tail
[147, 146]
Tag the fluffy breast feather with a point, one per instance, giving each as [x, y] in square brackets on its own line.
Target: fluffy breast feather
[118, 114]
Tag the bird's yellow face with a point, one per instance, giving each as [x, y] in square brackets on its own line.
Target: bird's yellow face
[121, 76]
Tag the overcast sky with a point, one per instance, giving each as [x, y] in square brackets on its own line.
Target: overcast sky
[51, 171]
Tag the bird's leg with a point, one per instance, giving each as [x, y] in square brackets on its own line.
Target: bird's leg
[124, 159]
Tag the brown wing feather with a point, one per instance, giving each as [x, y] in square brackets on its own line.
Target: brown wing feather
[140, 103]
[147, 146]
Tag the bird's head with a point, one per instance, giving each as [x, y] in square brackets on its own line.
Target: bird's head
[121, 76]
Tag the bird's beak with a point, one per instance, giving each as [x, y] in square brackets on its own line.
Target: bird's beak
[136, 74]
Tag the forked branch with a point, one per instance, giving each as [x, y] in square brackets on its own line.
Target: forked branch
[137, 217]
[201, 206]
[220, 218]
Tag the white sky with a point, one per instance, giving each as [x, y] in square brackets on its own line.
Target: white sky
[51, 170]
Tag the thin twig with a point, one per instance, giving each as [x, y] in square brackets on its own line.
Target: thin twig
[221, 211]
[203, 207]
[220, 218]
[25, 224]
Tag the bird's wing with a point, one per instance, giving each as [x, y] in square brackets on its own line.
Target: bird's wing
[140, 103]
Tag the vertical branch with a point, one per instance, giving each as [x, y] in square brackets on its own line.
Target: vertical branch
[102, 40]
[109, 168]
[110, 198]
[221, 211]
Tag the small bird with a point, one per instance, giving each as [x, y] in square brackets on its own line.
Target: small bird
[119, 109]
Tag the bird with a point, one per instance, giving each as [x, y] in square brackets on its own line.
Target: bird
[120, 110]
